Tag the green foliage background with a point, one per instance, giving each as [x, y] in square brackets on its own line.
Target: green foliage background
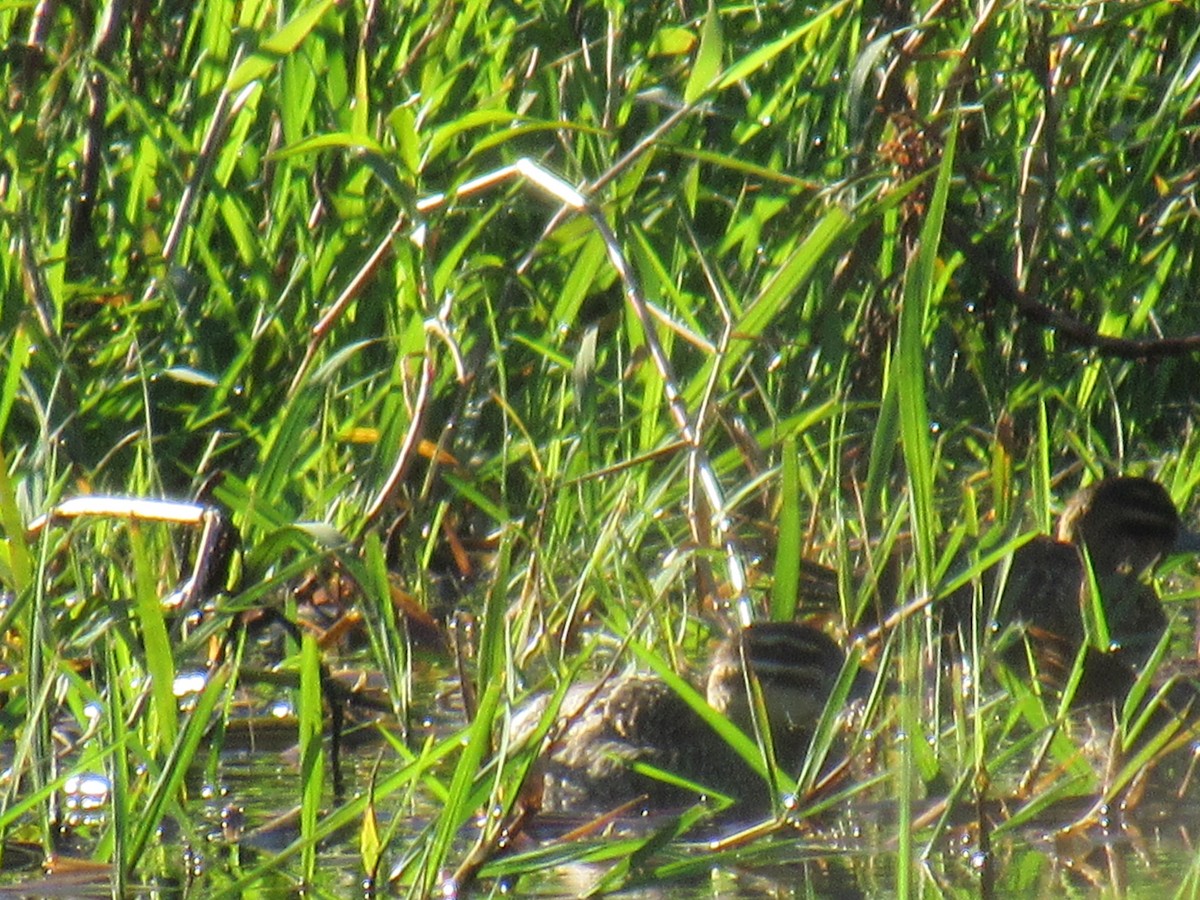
[929, 259]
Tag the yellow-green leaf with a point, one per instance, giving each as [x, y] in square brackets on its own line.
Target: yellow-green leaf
[708, 58]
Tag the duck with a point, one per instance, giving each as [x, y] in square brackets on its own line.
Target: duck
[609, 733]
[1120, 526]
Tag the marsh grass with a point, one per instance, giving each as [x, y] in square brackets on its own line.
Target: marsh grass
[900, 263]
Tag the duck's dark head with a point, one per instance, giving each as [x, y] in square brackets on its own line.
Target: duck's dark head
[1126, 524]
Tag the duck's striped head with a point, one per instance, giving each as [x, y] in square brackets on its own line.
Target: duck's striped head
[796, 666]
[1126, 524]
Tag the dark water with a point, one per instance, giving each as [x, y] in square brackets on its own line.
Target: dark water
[854, 849]
[247, 814]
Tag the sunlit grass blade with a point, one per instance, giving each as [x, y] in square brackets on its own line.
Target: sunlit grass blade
[461, 799]
[743, 745]
[17, 563]
[312, 751]
[786, 591]
[123, 804]
[166, 789]
[278, 45]
[911, 370]
[159, 656]
[708, 57]
[628, 871]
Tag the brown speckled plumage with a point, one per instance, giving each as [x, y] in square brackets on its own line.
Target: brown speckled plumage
[637, 718]
[1123, 526]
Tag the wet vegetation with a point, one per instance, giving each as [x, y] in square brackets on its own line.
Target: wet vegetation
[902, 277]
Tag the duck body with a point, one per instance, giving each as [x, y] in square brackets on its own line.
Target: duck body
[636, 719]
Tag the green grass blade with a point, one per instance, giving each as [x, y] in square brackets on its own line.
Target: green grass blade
[278, 45]
[160, 658]
[786, 591]
[912, 370]
[170, 780]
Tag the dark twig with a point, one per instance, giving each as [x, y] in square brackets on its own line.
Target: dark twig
[1066, 325]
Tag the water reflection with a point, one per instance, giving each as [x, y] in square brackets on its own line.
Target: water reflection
[1142, 841]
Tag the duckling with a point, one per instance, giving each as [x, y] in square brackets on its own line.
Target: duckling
[637, 718]
[1122, 526]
